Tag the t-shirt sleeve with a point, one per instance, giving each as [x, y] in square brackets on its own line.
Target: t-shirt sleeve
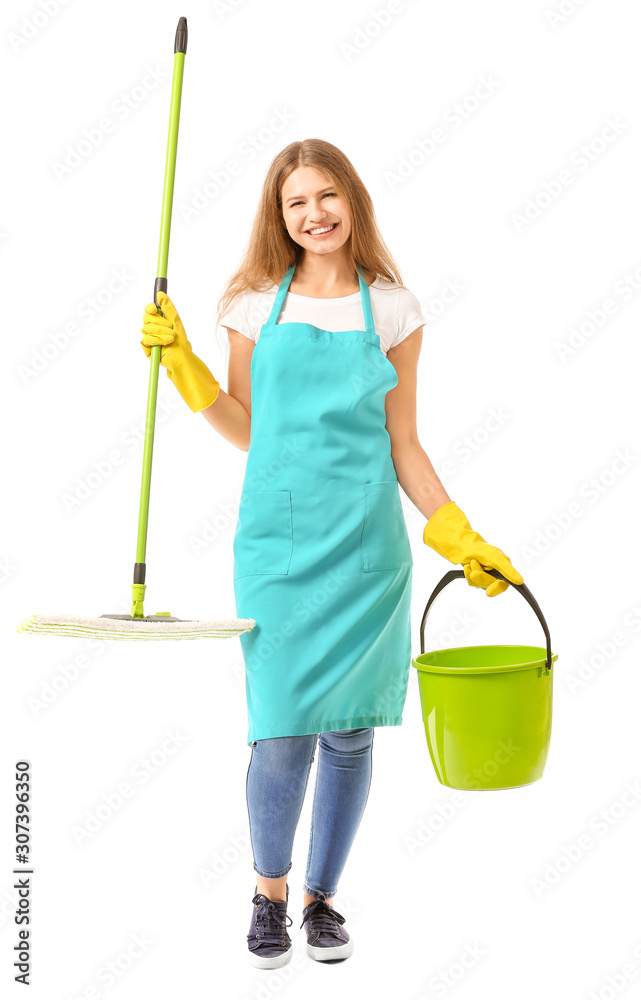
[408, 316]
[235, 317]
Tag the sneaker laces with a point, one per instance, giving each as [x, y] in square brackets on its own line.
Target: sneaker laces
[267, 919]
[325, 917]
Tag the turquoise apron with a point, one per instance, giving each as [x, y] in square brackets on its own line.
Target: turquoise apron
[322, 558]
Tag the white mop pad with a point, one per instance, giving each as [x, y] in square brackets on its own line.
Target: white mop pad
[140, 629]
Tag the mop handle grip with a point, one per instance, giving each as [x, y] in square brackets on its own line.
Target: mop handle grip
[458, 574]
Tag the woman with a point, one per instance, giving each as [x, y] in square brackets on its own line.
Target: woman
[324, 343]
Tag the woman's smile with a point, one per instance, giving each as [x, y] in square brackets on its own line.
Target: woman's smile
[324, 231]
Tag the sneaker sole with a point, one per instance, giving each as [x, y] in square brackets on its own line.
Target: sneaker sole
[271, 961]
[327, 954]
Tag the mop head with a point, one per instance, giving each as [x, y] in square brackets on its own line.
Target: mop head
[125, 627]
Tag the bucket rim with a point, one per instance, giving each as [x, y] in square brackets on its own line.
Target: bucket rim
[433, 668]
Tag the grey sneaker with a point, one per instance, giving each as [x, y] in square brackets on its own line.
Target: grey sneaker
[270, 946]
[327, 939]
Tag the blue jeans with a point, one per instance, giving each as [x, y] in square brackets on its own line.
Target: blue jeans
[276, 783]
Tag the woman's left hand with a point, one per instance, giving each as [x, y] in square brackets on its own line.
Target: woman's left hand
[450, 534]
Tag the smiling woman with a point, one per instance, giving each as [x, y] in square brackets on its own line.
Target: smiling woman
[324, 344]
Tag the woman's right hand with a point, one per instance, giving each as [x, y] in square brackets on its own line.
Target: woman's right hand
[190, 375]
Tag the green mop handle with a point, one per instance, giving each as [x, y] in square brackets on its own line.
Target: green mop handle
[180, 48]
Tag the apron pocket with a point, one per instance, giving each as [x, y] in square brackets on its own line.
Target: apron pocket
[384, 542]
[263, 540]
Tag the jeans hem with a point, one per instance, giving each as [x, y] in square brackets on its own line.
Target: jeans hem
[271, 874]
[310, 892]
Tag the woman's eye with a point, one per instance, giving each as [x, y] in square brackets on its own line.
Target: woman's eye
[332, 193]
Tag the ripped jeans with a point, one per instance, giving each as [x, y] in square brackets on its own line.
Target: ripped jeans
[276, 783]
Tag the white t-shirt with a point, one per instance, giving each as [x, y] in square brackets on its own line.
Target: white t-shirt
[396, 312]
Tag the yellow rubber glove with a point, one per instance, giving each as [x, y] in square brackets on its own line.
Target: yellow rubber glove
[449, 533]
[190, 375]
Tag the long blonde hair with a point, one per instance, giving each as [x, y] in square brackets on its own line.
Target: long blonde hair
[271, 250]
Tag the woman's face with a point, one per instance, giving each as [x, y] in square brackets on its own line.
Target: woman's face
[310, 202]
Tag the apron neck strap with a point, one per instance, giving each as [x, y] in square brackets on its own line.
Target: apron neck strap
[284, 288]
[366, 302]
[280, 296]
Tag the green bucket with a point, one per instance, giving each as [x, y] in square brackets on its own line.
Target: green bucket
[487, 710]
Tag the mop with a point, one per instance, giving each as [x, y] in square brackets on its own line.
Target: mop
[137, 625]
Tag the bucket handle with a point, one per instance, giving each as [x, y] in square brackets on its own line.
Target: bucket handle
[456, 574]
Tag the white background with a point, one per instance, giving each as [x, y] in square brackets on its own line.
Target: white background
[502, 876]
